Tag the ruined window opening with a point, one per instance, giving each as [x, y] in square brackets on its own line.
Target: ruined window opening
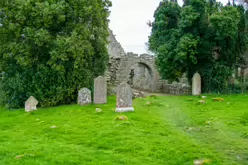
[131, 76]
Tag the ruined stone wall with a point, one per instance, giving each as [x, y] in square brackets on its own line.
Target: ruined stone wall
[120, 69]
[144, 70]
[137, 70]
[114, 47]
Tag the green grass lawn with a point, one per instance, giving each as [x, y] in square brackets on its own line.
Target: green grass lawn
[173, 130]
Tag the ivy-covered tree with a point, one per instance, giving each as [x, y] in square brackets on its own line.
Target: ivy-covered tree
[206, 37]
[51, 48]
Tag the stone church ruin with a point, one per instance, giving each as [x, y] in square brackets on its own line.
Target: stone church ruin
[138, 71]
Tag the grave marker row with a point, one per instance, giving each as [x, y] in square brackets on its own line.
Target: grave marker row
[123, 94]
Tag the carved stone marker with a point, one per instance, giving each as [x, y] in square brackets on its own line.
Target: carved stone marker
[196, 84]
[30, 104]
[100, 90]
[124, 98]
[84, 96]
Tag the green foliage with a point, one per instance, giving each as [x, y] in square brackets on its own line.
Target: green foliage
[244, 119]
[50, 49]
[206, 38]
[3, 3]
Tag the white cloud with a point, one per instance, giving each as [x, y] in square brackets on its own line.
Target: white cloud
[128, 20]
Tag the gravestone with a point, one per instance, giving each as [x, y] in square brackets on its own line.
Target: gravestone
[100, 90]
[196, 84]
[124, 98]
[84, 96]
[30, 104]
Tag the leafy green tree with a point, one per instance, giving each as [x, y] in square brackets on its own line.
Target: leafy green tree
[207, 38]
[51, 48]
[3, 3]
[164, 38]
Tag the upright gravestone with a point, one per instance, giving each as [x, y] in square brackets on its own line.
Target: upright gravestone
[84, 96]
[100, 90]
[30, 104]
[124, 98]
[196, 84]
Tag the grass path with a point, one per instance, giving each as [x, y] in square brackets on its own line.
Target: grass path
[171, 131]
[216, 126]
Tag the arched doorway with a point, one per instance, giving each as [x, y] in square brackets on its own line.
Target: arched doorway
[140, 77]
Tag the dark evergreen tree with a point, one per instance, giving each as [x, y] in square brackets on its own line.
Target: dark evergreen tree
[206, 37]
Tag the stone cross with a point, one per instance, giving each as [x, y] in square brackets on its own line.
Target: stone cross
[100, 90]
[124, 98]
[30, 104]
[196, 84]
[84, 96]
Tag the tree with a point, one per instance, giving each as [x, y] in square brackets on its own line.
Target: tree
[207, 38]
[50, 49]
[3, 3]
[165, 36]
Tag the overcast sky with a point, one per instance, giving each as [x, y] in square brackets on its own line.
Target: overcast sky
[128, 20]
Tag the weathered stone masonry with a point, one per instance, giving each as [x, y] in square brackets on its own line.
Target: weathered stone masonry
[137, 70]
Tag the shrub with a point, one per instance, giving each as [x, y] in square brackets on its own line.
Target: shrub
[50, 49]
